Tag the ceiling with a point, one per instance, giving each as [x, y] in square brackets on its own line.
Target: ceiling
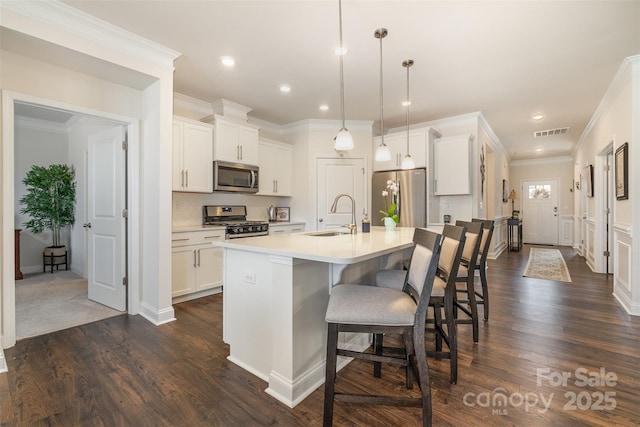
[507, 59]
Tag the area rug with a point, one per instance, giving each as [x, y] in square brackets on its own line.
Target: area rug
[52, 302]
[547, 264]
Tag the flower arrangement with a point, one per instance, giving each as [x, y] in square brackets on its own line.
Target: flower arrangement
[391, 206]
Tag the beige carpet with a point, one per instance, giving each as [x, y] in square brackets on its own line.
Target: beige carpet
[52, 302]
[547, 264]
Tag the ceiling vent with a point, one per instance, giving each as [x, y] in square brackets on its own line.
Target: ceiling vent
[550, 132]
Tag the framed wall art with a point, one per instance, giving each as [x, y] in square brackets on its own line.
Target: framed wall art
[588, 180]
[505, 191]
[622, 172]
[282, 214]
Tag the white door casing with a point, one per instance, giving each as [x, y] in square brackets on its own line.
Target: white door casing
[337, 176]
[106, 232]
[540, 212]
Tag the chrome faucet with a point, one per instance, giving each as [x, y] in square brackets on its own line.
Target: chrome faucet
[352, 227]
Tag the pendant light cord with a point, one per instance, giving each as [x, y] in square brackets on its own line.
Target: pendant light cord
[407, 63]
[341, 67]
[408, 105]
[381, 95]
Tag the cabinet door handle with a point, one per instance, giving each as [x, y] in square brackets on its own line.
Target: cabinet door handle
[194, 259]
[186, 174]
[198, 257]
[241, 153]
[212, 237]
[182, 178]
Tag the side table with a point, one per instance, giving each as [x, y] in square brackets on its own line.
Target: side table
[515, 234]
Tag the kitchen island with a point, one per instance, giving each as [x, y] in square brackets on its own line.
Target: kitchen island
[276, 290]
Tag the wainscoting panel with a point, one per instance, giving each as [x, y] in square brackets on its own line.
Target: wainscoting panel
[499, 239]
[566, 230]
[589, 243]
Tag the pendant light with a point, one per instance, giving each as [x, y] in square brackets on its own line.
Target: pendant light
[343, 141]
[383, 154]
[407, 162]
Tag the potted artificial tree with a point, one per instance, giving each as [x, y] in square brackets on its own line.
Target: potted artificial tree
[50, 202]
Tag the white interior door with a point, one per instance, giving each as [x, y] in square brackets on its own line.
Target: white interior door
[540, 212]
[106, 226]
[337, 176]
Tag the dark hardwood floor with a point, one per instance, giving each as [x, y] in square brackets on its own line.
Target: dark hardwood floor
[124, 371]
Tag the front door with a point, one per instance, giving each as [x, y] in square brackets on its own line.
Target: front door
[540, 212]
[338, 176]
[106, 224]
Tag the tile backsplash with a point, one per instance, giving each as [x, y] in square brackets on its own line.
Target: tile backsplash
[187, 207]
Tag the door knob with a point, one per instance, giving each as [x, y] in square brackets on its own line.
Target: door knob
[87, 225]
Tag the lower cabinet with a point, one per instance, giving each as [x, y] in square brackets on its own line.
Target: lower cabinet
[196, 265]
[286, 228]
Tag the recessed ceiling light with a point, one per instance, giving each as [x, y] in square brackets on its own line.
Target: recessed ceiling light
[324, 107]
[539, 150]
[341, 50]
[538, 117]
[285, 88]
[228, 61]
[406, 103]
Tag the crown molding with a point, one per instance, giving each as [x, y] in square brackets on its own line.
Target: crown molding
[40, 125]
[192, 104]
[622, 77]
[326, 125]
[60, 16]
[545, 161]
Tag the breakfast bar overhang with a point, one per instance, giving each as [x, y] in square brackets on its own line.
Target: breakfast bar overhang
[276, 290]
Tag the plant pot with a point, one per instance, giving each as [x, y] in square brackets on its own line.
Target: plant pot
[55, 255]
[389, 224]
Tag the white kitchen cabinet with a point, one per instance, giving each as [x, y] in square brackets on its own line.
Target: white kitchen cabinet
[235, 142]
[196, 265]
[285, 228]
[397, 143]
[192, 156]
[276, 168]
[452, 165]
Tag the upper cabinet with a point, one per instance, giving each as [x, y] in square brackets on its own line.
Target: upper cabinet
[397, 143]
[235, 142]
[452, 165]
[276, 168]
[192, 156]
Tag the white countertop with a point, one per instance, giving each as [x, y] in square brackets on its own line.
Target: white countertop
[342, 249]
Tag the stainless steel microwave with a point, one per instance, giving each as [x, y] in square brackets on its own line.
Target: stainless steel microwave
[235, 177]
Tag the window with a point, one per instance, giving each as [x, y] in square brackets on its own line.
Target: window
[539, 191]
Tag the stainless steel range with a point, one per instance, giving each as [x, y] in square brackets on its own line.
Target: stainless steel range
[234, 218]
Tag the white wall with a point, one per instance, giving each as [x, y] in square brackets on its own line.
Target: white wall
[313, 139]
[146, 106]
[556, 168]
[616, 121]
[36, 143]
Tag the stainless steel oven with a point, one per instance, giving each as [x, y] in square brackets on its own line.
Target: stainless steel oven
[234, 219]
[235, 177]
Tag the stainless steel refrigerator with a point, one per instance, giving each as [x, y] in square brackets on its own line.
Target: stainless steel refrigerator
[412, 196]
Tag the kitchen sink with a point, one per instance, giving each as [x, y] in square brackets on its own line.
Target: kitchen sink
[329, 233]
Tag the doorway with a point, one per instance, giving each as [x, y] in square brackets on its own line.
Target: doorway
[85, 123]
[340, 176]
[540, 212]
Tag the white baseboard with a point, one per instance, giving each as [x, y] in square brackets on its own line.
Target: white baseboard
[157, 317]
[3, 361]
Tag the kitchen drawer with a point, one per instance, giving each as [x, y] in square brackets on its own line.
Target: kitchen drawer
[196, 237]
